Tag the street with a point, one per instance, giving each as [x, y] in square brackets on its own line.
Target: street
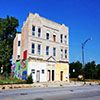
[54, 93]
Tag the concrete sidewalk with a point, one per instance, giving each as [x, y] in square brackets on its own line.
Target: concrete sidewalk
[47, 84]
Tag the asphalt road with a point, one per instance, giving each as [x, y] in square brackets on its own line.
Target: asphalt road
[55, 93]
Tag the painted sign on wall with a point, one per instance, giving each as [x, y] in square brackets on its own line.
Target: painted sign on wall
[19, 69]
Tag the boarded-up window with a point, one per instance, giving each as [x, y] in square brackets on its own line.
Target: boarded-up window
[25, 54]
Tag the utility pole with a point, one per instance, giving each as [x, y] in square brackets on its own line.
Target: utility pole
[83, 44]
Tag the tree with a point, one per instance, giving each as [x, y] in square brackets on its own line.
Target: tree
[89, 70]
[29, 79]
[97, 72]
[77, 67]
[7, 33]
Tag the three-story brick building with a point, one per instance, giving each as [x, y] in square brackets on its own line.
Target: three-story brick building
[45, 45]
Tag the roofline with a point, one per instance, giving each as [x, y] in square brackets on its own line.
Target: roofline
[46, 19]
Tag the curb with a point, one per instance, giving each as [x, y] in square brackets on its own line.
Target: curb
[48, 84]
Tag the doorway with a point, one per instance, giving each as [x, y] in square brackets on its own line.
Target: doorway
[38, 76]
[49, 75]
[61, 75]
[52, 75]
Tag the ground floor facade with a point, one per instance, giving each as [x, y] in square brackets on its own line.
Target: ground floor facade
[42, 71]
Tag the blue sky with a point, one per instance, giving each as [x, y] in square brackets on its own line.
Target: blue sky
[81, 16]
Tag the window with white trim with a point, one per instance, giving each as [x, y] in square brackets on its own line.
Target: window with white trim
[33, 30]
[61, 53]
[61, 38]
[47, 50]
[18, 56]
[65, 53]
[39, 49]
[39, 32]
[54, 37]
[18, 43]
[65, 39]
[33, 71]
[33, 48]
[47, 36]
[43, 71]
[54, 51]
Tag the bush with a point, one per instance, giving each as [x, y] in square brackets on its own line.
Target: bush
[5, 74]
[10, 80]
[29, 79]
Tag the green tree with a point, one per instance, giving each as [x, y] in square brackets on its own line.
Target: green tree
[7, 33]
[29, 79]
[77, 67]
[97, 72]
[89, 70]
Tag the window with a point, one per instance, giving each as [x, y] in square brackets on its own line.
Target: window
[39, 32]
[33, 30]
[42, 71]
[18, 43]
[61, 53]
[18, 56]
[54, 38]
[61, 38]
[54, 51]
[39, 48]
[33, 71]
[66, 53]
[65, 39]
[33, 48]
[47, 50]
[47, 36]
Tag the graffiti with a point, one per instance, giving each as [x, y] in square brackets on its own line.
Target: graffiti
[24, 75]
[15, 75]
[23, 64]
[13, 67]
[19, 69]
[19, 75]
[12, 73]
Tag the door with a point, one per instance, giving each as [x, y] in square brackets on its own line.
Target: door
[61, 75]
[49, 75]
[52, 75]
[38, 76]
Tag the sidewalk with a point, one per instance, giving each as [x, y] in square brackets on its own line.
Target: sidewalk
[47, 84]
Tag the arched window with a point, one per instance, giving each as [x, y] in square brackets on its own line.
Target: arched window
[47, 36]
[54, 37]
[33, 30]
[39, 32]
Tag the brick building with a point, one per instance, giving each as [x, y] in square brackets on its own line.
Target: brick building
[44, 46]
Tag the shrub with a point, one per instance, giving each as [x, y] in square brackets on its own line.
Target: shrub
[10, 80]
[5, 74]
[29, 79]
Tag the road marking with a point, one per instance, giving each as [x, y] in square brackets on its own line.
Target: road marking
[6, 99]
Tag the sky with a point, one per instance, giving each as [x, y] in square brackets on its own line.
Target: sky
[81, 16]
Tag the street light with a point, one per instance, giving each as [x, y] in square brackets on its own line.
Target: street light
[83, 44]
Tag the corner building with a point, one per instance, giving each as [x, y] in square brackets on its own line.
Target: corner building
[45, 45]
